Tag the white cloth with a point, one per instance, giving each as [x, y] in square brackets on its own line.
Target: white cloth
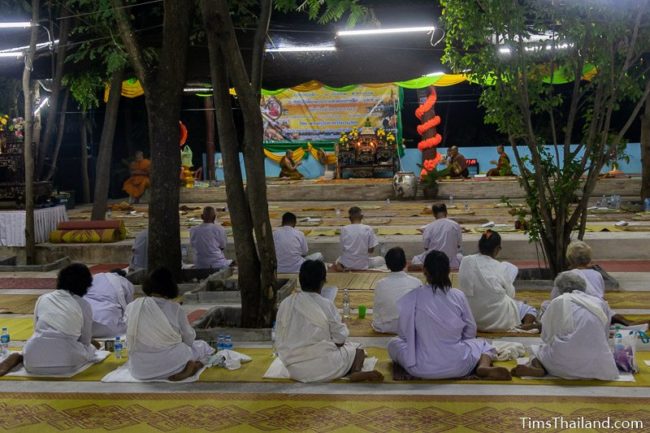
[508, 350]
[443, 235]
[575, 331]
[100, 355]
[152, 354]
[142, 314]
[290, 248]
[387, 292]
[122, 374]
[308, 329]
[277, 370]
[61, 312]
[140, 250]
[208, 242]
[12, 225]
[356, 240]
[487, 284]
[108, 297]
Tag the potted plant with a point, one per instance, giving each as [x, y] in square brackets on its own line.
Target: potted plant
[429, 182]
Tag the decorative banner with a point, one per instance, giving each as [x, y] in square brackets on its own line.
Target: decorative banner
[321, 114]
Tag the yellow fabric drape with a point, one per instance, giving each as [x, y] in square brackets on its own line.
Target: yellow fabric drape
[331, 157]
[450, 80]
[298, 155]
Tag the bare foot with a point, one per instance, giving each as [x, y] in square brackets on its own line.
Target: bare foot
[10, 362]
[366, 376]
[527, 370]
[493, 373]
[190, 370]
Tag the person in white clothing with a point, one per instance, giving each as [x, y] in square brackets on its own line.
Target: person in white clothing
[389, 290]
[575, 331]
[358, 241]
[488, 286]
[291, 246]
[209, 241]
[62, 340]
[311, 340]
[444, 235]
[108, 297]
[162, 344]
[140, 251]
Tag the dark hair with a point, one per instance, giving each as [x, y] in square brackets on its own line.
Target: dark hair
[489, 242]
[288, 218]
[75, 278]
[396, 259]
[312, 275]
[355, 212]
[438, 208]
[209, 213]
[119, 272]
[436, 264]
[161, 282]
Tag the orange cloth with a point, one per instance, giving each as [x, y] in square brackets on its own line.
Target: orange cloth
[136, 185]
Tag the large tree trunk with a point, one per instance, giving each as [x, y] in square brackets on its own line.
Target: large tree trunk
[258, 309]
[104, 156]
[209, 137]
[59, 135]
[30, 242]
[50, 127]
[85, 181]
[645, 151]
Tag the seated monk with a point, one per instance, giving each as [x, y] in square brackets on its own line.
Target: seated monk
[389, 290]
[575, 330]
[437, 332]
[289, 168]
[63, 322]
[503, 166]
[456, 163]
[310, 337]
[488, 285]
[161, 341]
[357, 241]
[444, 235]
[108, 297]
[138, 183]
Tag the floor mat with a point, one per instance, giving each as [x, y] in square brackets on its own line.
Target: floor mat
[28, 283]
[243, 412]
[17, 304]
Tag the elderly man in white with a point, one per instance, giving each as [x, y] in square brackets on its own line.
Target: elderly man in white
[575, 330]
[444, 235]
[209, 242]
[389, 290]
[291, 246]
[358, 241]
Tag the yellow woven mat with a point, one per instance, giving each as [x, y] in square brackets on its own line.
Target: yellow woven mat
[391, 231]
[17, 304]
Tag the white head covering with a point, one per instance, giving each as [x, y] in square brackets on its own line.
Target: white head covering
[147, 324]
[60, 311]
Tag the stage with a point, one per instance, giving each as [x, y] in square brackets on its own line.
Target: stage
[359, 190]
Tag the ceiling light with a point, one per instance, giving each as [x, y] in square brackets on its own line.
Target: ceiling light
[39, 45]
[433, 74]
[198, 89]
[19, 25]
[299, 49]
[41, 105]
[385, 31]
[14, 55]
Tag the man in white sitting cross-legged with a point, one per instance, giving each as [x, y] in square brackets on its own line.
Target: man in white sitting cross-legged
[291, 246]
[444, 235]
[358, 241]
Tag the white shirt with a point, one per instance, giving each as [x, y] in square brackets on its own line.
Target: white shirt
[356, 240]
[290, 248]
[208, 242]
[387, 292]
[140, 250]
[444, 235]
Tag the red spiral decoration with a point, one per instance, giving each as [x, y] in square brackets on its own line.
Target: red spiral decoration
[430, 138]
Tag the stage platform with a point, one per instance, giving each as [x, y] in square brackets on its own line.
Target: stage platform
[382, 189]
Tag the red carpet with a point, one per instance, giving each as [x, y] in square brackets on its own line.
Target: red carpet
[27, 283]
[107, 267]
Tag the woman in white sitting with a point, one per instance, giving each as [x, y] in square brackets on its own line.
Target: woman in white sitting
[161, 341]
[108, 297]
[575, 330]
[62, 340]
[310, 337]
[488, 286]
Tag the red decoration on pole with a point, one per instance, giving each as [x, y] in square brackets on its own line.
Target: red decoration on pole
[430, 137]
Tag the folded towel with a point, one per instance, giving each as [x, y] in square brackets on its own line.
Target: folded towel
[507, 350]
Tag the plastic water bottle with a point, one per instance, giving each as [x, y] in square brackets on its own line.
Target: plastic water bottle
[4, 341]
[118, 348]
[387, 201]
[603, 201]
[275, 352]
[466, 206]
[227, 342]
[338, 212]
[451, 199]
[346, 303]
[220, 342]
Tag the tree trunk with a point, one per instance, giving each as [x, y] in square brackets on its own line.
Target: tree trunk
[210, 148]
[51, 125]
[59, 135]
[259, 313]
[645, 151]
[104, 156]
[85, 181]
[30, 241]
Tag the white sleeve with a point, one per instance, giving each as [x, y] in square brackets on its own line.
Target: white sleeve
[303, 243]
[372, 238]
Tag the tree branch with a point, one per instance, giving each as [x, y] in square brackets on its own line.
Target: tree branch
[130, 42]
[257, 57]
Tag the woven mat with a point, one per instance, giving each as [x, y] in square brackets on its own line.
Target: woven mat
[17, 304]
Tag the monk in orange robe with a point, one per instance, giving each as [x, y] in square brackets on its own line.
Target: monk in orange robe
[138, 183]
[289, 168]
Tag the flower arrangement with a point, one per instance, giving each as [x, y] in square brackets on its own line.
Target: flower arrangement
[4, 120]
[16, 125]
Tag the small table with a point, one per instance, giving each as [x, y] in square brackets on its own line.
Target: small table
[12, 225]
